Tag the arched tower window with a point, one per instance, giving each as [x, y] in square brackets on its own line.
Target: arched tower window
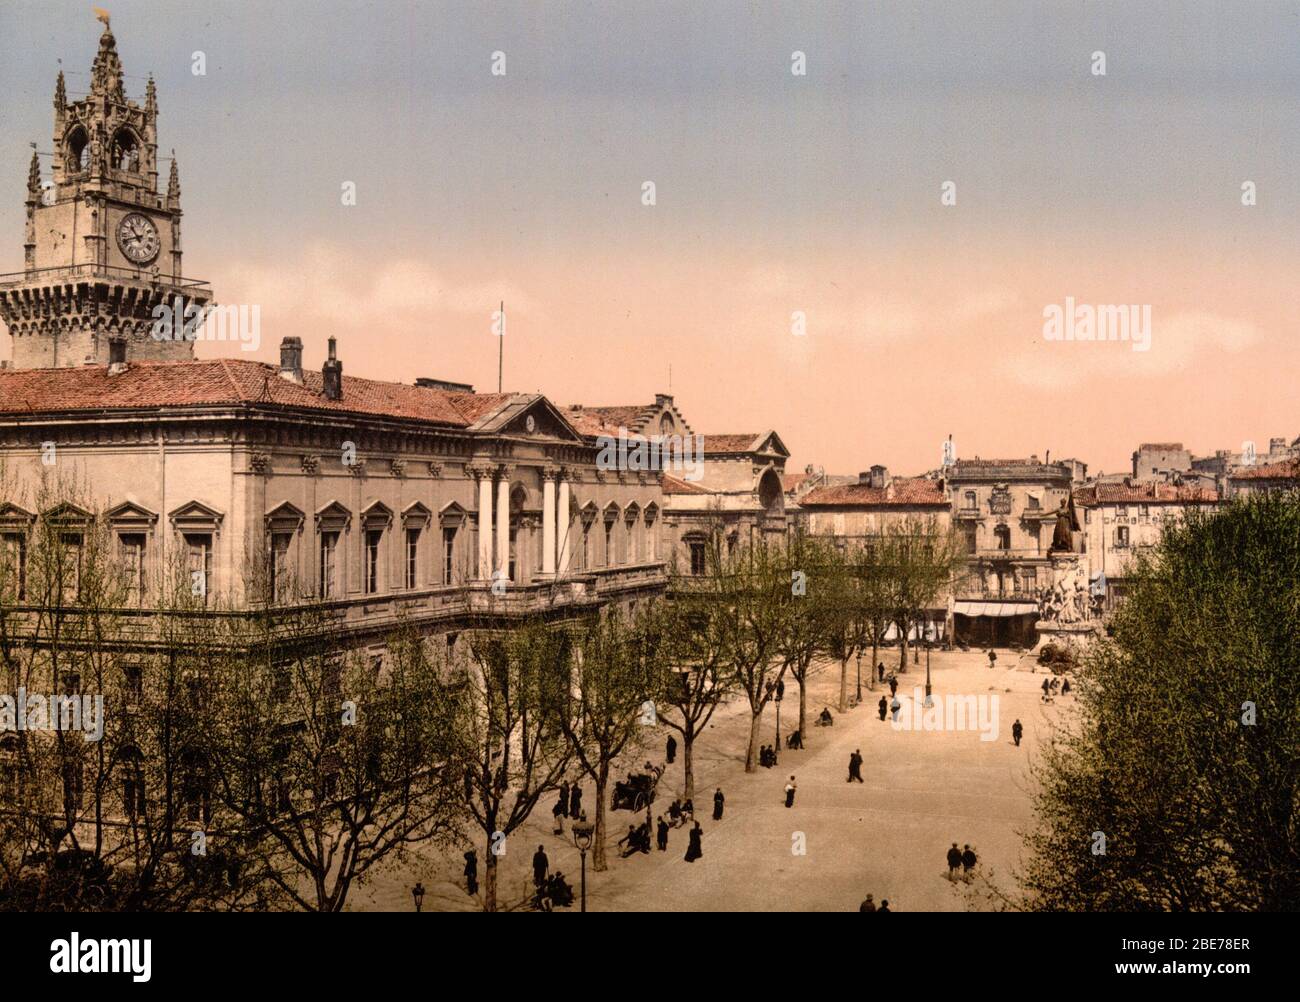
[77, 151]
[126, 151]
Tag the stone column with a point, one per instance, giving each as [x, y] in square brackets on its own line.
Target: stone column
[504, 473]
[483, 474]
[563, 542]
[548, 519]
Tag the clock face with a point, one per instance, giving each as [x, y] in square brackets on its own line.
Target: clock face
[138, 238]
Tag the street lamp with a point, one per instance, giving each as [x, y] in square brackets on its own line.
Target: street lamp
[417, 892]
[929, 641]
[776, 698]
[582, 832]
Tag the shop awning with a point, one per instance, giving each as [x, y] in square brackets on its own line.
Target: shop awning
[994, 608]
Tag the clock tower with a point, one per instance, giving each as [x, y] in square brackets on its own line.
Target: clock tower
[103, 244]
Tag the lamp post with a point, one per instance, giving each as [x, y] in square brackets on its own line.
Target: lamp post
[417, 892]
[582, 831]
[929, 641]
[780, 692]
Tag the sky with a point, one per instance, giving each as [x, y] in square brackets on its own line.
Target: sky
[798, 269]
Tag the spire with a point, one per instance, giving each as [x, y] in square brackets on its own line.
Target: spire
[173, 184]
[106, 73]
[60, 95]
[34, 177]
[151, 97]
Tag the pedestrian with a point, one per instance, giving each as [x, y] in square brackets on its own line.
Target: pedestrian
[471, 872]
[880, 670]
[661, 833]
[954, 861]
[968, 861]
[575, 800]
[884, 707]
[868, 905]
[789, 792]
[718, 801]
[992, 657]
[855, 766]
[563, 806]
[893, 685]
[884, 905]
[558, 812]
[1016, 731]
[1065, 687]
[894, 707]
[671, 749]
[695, 850]
[541, 866]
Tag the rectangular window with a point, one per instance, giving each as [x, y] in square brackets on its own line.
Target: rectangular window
[132, 795]
[412, 557]
[329, 547]
[278, 566]
[609, 544]
[70, 550]
[198, 562]
[132, 683]
[697, 557]
[13, 570]
[1121, 536]
[448, 554]
[514, 538]
[584, 555]
[373, 539]
[650, 543]
[130, 553]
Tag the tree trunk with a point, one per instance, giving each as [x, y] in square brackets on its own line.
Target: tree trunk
[844, 686]
[751, 756]
[490, 878]
[858, 697]
[803, 706]
[902, 661]
[598, 863]
[688, 761]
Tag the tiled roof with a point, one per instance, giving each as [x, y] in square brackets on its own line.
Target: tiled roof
[1161, 446]
[899, 491]
[1143, 493]
[1288, 469]
[792, 481]
[229, 381]
[672, 485]
[729, 443]
[596, 421]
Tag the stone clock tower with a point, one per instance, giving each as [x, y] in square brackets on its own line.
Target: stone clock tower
[103, 246]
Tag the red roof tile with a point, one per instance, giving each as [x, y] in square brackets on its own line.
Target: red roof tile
[216, 382]
[1288, 469]
[672, 485]
[729, 443]
[1144, 493]
[912, 491]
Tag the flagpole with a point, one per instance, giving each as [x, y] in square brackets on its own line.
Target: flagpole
[501, 347]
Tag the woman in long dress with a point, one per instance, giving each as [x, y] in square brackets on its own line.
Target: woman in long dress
[694, 851]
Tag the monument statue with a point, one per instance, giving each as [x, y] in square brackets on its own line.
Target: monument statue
[1063, 536]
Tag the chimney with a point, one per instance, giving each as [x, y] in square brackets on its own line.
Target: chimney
[332, 374]
[291, 359]
[877, 477]
[116, 356]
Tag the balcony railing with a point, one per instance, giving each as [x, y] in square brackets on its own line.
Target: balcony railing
[145, 275]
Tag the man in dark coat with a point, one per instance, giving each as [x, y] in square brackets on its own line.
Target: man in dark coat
[868, 905]
[893, 686]
[968, 862]
[884, 905]
[671, 749]
[789, 792]
[471, 872]
[563, 806]
[884, 707]
[855, 766]
[880, 670]
[718, 801]
[695, 850]
[954, 861]
[541, 866]
[662, 833]
[1017, 730]
[575, 800]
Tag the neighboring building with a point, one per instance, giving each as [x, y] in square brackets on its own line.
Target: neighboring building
[1160, 460]
[855, 512]
[729, 483]
[1006, 509]
[1264, 478]
[1122, 521]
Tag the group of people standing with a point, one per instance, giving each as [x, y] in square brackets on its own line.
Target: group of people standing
[961, 859]
[567, 805]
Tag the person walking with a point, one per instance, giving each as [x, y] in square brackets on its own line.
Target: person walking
[867, 905]
[562, 808]
[671, 749]
[541, 867]
[968, 861]
[884, 905]
[884, 707]
[575, 800]
[855, 766]
[992, 657]
[893, 685]
[1017, 730]
[880, 670]
[954, 862]
[695, 849]
[718, 801]
[471, 872]
[789, 792]
[1065, 687]
[558, 811]
[661, 834]
[894, 707]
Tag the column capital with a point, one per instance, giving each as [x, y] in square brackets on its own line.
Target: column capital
[568, 474]
[551, 472]
[479, 469]
[505, 471]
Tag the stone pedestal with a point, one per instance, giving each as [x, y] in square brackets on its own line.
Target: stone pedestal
[1065, 607]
